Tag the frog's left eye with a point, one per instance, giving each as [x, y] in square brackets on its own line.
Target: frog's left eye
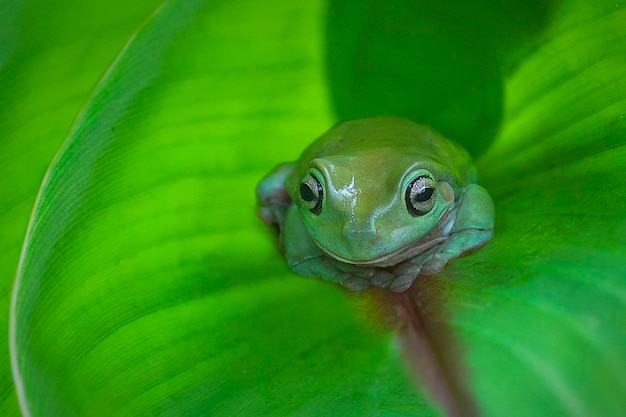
[312, 193]
[420, 196]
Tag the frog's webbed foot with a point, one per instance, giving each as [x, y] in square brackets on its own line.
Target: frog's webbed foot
[406, 273]
[436, 258]
[352, 277]
[473, 227]
[372, 277]
[375, 278]
[458, 244]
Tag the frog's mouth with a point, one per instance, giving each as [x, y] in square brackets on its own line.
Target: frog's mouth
[434, 237]
[391, 258]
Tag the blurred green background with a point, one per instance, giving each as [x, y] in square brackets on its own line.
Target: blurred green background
[147, 286]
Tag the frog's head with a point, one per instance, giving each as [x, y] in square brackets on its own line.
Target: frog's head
[371, 208]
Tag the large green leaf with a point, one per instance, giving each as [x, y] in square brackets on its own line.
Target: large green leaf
[148, 287]
[439, 63]
[541, 310]
[551, 308]
[51, 56]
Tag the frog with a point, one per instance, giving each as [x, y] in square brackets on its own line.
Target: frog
[376, 202]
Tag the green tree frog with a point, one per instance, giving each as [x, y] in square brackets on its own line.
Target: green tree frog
[376, 202]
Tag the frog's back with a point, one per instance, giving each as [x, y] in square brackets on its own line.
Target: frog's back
[396, 141]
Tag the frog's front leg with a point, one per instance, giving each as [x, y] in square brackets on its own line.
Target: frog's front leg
[304, 257]
[406, 272]
[273, 197]
[473, 227]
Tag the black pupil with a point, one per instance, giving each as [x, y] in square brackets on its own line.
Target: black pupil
[424, 195]
[306, 192]
[419, 196]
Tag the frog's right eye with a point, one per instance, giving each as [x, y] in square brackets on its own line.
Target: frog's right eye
[312, 193]
[420, 195]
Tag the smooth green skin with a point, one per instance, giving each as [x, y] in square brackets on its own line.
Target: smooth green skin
[364, 235]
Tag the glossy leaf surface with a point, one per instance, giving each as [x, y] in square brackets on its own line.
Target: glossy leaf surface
[51, 57]
[147, 286]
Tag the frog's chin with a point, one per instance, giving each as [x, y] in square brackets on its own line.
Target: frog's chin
[391, 258]
[436, 236]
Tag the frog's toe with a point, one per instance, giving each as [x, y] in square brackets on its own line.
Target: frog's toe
[411, 266]
[272, 215]
[402, 283]
[354, 283]
[435, 264]
[382, 279]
